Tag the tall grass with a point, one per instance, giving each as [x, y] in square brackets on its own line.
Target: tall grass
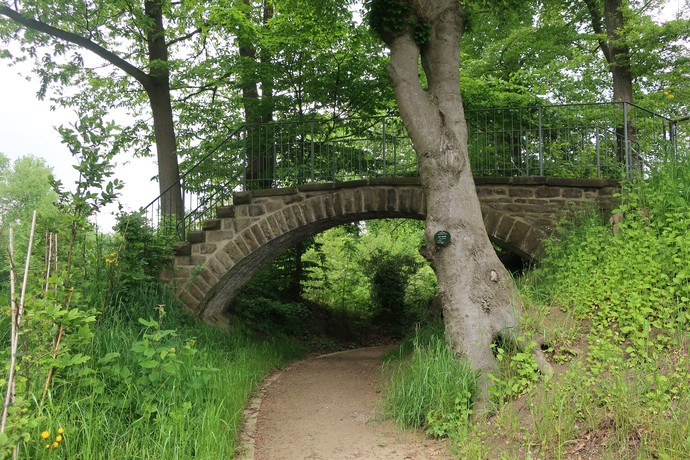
[124, 409]
[431, 388]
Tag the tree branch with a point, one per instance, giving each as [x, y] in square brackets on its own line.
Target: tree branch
[184, 37]
[597, 26]
[73, 38]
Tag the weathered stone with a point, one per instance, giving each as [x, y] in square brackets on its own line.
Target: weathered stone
[547, 192]
[517, 213]
[205, 279]
[224, 259]
[256, 210]
[183, 248]
[242, 197]
[205, 248]
[504, 227]
[219, 235]
[391, 199]
[518, 233]
[211, 224]
[521, 192]
[272, 192]
[196, 237]
[225, 211]
[572, 193]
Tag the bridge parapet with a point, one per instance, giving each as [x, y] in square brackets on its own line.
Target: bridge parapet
[225, 254]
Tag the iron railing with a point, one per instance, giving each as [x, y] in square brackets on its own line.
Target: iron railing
[610, 141]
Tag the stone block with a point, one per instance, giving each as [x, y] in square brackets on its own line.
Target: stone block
[225, 211]
[219, 235]
[248, 237]
[182, 248]
[266, 230]
[233, 251]
[503, 229]
[211, 224]
[242, 197]
[521, 192]
[196, 237]
[256, 210]
[391, 199]
[268, 192]
[547, 192]
[518, 233]
[572, 193]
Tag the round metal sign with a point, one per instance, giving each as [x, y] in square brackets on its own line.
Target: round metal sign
[442, 238]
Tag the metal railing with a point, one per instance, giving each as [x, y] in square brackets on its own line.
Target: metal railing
[610, 141]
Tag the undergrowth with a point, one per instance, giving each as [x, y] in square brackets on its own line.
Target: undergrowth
[614, 307]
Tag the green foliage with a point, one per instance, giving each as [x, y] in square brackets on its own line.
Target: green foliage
[432, 389]
[389, 274]
[375, 271]
[135, 257]
[389, 17]
[518, 371]
[637, 279]
[271, 316]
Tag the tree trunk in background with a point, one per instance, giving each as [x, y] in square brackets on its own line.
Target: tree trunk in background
[608, 22]
[258, 109]
[480, 300]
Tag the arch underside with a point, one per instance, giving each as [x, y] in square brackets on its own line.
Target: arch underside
[214, 307]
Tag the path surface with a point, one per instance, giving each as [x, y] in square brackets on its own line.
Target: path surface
[328, 408]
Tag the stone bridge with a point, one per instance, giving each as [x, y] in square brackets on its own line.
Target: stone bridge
[215, 263]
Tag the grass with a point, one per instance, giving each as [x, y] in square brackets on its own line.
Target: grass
[174, 390]
[431, 388]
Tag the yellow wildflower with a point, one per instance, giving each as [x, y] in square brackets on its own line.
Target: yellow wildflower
[58, 438]
[55, 445]
[45, 434]
[61, 430]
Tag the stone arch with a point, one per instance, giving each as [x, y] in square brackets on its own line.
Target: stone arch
[294, 217]
[235, 261]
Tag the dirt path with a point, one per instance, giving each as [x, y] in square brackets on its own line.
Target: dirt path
[326, 408]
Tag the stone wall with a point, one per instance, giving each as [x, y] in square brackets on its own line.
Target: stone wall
[217, 261]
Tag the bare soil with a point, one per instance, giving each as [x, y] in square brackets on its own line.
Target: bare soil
[330, 407]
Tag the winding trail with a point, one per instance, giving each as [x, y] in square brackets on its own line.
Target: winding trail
[328, 408]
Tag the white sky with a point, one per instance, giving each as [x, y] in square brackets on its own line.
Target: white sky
[27, 126]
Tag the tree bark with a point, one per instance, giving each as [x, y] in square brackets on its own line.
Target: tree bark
[258, 109]
[158, 90]
[608, 22]
[480, 301]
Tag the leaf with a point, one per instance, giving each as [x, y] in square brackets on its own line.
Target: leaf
[108, 358]
[148, 322]
[148, 364]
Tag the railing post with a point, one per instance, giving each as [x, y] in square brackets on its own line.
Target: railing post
[626, 142]
[598, 150]
[244, 158]
[312, 151]
[384, 146]
[541, 145]
[395, 156]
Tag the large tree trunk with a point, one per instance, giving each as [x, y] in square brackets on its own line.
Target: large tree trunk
[258, 109]
[480, 301]
[608, 22]
[158, 89]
